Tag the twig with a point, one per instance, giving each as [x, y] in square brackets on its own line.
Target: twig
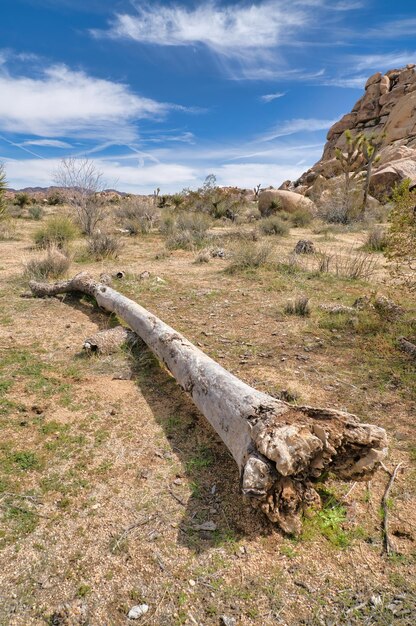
[176, 497]
[128, 530]
[388, 545]
[349, 491]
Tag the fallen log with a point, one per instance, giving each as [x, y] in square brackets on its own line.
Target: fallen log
[279, 449]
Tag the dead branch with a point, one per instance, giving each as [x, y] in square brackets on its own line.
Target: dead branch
[279, 449]
[388, 545]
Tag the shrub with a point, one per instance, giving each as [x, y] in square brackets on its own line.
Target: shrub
[138, 214]
[271, 209]
[355, 265]
[36, 212]
[274, 225]
[299, 306]
[54, 265]
[57, 231]
[402, 235]
[22, 199]
[8, 230]
[376, 240]
[249, 255]
[103, 246]
[301, 217]
[203, 257]
[188, 231]
[55, 197]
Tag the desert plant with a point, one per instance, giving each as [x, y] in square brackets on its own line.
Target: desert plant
[401, 238]
[8, 230]
[53, 265]
[189, 231]
[56, 231]
[248, 255]
[301, 217]
[22, 199]
[138, 214]
[103, 246]
[271, 209]
[203, 257]
[352, 163]
[370, 148]
[55, 197]
[299, 306]
[83, 183]
[376, 240]
[273, 225]
[3, 187]
[355, 265]
[36, 212]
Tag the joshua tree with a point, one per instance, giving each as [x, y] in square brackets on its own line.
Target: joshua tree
[370, 149]
[83, 183]
[352, 164]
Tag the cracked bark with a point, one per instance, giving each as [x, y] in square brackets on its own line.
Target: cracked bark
[279, 449]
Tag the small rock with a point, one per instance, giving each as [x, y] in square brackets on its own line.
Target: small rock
[159, 280]
[138, 611]
[144, 275]
[228, 621]
[192, 583]
[177, 481]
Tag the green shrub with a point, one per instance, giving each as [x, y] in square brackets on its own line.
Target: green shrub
[271, 209]
[103, 246]
[36, 212]
[274, 225]
[22, 199]
[301, 217]
[249, 255]
[54, 265]
[57, 231]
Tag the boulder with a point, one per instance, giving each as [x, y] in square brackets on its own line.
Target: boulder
[385, 178]
[285, 200]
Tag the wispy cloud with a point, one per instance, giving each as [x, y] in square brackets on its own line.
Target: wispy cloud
[382, 61]
[292, 127]
[46, 143]
[62, 102]
[272, 96]
[393, 29]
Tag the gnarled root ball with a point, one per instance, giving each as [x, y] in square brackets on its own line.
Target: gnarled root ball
[291, 451]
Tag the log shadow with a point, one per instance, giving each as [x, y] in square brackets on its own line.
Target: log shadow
[216, 513]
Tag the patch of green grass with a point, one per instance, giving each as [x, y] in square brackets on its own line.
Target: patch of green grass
[83, 590]
[25, 460]
[203, 458]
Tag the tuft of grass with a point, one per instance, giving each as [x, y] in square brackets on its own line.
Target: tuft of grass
[274, 225]
[57, 231]
[248, 256]
[203, 257]
[329, 523]
[25, 460]
[54, 265]
[104, 246]
[36, 212]
[299, 306]
[376, 240]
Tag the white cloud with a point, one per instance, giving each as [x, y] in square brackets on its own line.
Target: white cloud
[126, 177]
[62, 102]
[272, 96]
[248, 175]
[382, 62]
[291, 127]
[47, 143]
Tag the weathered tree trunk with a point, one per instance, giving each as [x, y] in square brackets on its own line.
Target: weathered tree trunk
[278, 448]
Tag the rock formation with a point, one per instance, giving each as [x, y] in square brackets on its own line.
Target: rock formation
[387, 109]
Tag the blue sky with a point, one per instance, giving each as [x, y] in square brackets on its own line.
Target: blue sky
[161, 94]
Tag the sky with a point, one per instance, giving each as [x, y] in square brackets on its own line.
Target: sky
[162, 94]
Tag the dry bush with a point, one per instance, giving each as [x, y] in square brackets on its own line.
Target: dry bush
[299, 306]
[249, 255]
[376, 240]
[187, 232]
[354, 264]
[56, 231]
[8, 230]
[138, 214]
[104, 246]
[301, 217]
[203, 257]
[333, 207]
[273, 225]
[53, 265]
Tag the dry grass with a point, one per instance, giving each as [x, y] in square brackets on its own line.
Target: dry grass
[104, 246]
[54, 264]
